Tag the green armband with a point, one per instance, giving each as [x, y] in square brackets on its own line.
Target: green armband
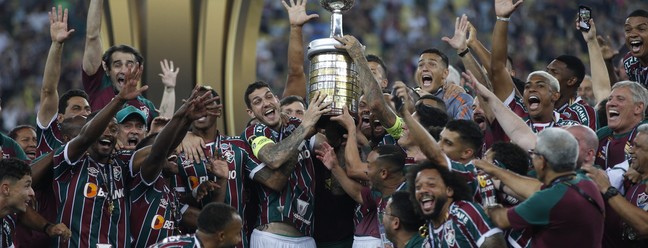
[397, 129]
[259, 143]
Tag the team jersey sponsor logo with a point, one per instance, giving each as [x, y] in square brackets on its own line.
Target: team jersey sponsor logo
[91, 190]
[159, 222]
[164, 203]
[642, 201]
[196, 181]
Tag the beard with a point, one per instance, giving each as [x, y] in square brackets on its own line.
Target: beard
[438, 207]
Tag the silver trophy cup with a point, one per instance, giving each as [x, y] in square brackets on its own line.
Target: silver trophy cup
[332, 71]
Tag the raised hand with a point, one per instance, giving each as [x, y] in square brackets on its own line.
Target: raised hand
[504, 8]
[316, 108]
[472, 35]
[297, 12]
[169, 73]
[200, 106]
[58, 25]
[351, 45]
[607, 49]
[345, 119]
[158, 123]
[326, 154]
[459, 41]
[400, 90]
[480, 89]
[590, 35]
[132, 76]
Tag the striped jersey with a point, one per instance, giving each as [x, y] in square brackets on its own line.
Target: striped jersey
[101, 91]
[614, 148]
[466, 226]
[295, 203]
[83, 191]
[579, 111]
[187, 241]
[155, 210]
[48, 136]
[7, 232]
[558, 120]
[233, 151]
[636, 72]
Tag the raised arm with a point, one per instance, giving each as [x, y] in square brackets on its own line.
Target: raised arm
[460, 43]
[49, 92]
[519, 132]
[370, 86]
[608, 54]
[478, 49]
[168, 75]
[523, 186]
[296, 80]
[327, 155]
[501, 79]
[421, 137]
[93, 47]
[355, 168]
[92, 130]
[285, 152]
[600, 79]
[173, 133]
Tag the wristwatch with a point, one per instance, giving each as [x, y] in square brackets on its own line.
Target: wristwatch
[610, 192]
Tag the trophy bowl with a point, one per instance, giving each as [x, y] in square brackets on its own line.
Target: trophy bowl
[337, 5]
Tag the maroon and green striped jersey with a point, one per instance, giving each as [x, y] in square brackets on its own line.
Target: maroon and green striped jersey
[101, 91]
[579, 111]
[295, 203]
[48, 136]
[187, 241]
[7, 232]
[155, 210]
[240, 161]
[614, 148]
[84, 191]
[466, 226]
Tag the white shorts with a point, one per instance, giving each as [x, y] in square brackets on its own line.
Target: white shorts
[366, 242]
[261, 239]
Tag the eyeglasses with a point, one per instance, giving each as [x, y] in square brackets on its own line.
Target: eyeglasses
[384, 212]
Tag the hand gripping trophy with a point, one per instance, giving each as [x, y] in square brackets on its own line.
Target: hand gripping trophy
[332, 71]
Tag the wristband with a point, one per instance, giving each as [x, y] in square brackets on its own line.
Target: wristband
[461, 54]
[184, 208]
[504, 19]
[397, 129]
[48, 225]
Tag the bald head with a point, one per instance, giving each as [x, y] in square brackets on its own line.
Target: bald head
[587, 143]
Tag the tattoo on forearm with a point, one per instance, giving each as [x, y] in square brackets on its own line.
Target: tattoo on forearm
[285, 150]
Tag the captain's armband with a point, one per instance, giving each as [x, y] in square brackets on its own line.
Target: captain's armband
[258, 143]
[396, 130]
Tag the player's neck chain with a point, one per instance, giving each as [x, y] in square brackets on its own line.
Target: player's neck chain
[105, 170]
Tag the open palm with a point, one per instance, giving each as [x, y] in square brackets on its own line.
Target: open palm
[297, 12]
[58, 25]
[505, 8]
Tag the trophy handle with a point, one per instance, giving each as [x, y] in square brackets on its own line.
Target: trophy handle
[336, 24]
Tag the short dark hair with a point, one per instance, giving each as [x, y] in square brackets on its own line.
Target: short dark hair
[392, 156]
[291, 99]
[402, 208]
[107, 56]
[215, 216]
[439, 101]
[511, 156]
[444, 58]
[63, 100]
[14, 132]
[376, 59]
[575, 65]
[452, 180]
[430, 116]
[638, 13]
[251, 88]
[469, 133]
[13, 169]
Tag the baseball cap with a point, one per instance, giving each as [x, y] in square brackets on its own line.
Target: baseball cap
[130, 110]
